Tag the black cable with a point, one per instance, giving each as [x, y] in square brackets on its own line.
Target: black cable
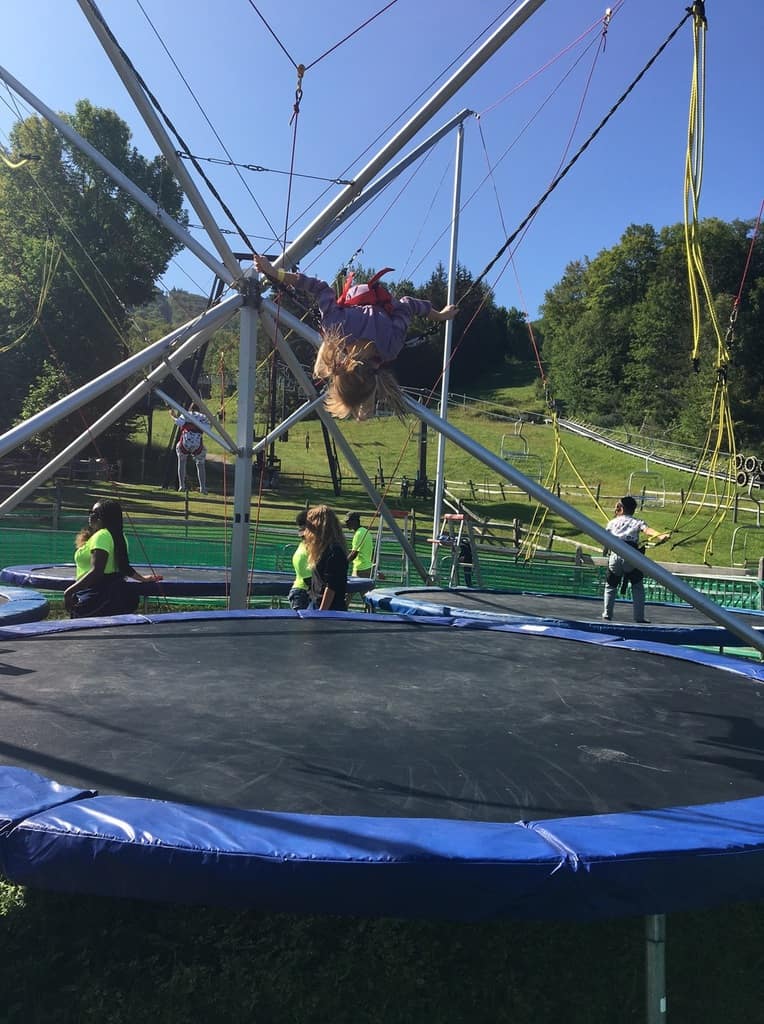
[204, 115]
[171, 127]
[573, 160]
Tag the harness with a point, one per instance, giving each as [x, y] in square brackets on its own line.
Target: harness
[370, 294]
[191, 440]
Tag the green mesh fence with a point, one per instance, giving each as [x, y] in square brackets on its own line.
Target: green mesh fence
[744, 594]
[39, 547]
[271, 549]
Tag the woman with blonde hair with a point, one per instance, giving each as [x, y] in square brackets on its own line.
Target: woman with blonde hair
[363, 331]
[328, 559]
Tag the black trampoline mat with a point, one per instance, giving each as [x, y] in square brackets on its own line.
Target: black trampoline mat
[374, 717]
[558, 606]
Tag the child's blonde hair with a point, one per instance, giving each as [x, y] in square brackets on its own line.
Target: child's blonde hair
[356, 382]
[322, 529]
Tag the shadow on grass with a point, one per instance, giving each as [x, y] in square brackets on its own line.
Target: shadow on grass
[99, 961]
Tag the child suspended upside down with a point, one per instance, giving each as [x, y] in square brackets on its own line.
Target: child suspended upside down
[363, 331]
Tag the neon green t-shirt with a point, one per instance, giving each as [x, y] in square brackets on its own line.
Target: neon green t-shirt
[101, 540]
[302, 570]
[363, 543]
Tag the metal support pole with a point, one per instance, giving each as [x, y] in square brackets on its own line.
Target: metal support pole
[384, 180]
[655, 968]
[155, 126]
[242, 488]
[449, 334]
[205, 324]
[750, 636]
[117, 410]
[299, 414]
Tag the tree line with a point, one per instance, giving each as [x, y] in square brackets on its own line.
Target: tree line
[617, 333]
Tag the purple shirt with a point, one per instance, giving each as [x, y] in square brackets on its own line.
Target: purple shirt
[371, 323]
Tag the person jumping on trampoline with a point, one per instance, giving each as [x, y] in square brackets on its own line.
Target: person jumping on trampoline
[620, 572]
[363, 331]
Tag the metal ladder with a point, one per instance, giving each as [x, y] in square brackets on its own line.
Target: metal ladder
[389, 570]
[457, 528]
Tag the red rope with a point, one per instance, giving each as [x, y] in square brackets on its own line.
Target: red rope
[739, 295]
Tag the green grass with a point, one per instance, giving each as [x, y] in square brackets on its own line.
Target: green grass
[86, 960]
[393, 447]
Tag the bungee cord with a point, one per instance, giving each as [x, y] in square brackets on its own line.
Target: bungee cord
[721, 432]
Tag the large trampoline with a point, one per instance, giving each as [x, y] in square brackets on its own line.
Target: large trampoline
[379, 764]
[668, 623]
[177, 580]
[19, 605]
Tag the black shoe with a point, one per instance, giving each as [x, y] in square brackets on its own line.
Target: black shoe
[643, 621]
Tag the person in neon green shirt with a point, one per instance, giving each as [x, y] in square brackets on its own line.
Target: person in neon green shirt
[361, 547]
[101, 565]
[299, 595]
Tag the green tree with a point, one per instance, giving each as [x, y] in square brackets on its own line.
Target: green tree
[618, 333]
[75, 254]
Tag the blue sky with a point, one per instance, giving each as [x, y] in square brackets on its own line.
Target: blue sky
[245, 84]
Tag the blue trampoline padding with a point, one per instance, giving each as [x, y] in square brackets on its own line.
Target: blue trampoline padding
[178, 580]
[662, 860]
[130, 847]
[17, 605]
[401, 603]
[24, 794]
[32, 629]
[577, 868]
[729, 662]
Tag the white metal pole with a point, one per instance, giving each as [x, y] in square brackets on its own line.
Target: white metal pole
[376, 187]
[207, 322]
[245, 425]
[150, 205]
[155, 126]
[117, 410]
[655, 969]
[305, 241]
[751, 637]
[448, 339]
[299, 414]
